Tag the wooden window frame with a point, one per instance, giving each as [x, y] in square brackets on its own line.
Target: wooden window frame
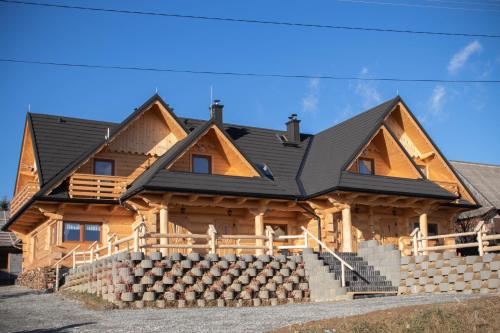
[208, 157]
[113, 163]
[372, 162]
[82, 232]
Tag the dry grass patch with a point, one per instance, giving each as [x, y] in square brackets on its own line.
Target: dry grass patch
[478, 315]
[89, 301]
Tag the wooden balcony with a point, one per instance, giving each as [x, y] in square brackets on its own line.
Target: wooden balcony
[449, 186]
[23, 195]
[96, 186]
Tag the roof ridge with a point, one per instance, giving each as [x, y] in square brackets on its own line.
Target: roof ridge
[477, 163]
[72, 118]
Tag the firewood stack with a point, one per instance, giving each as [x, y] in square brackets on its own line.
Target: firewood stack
[38, 278]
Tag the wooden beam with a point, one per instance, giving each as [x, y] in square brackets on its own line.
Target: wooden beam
[218, 199]
[193, 198]
[241, 201]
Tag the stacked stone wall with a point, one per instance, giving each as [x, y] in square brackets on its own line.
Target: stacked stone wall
[132, 280]
[448, 273]
[384, 258]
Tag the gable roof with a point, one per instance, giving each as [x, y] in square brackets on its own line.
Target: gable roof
[483, 180]
[313, 167]
[334, 148]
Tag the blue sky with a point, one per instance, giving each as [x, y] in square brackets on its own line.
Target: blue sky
[462, 118]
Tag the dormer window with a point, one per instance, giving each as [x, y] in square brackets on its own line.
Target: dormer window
[201, 164]
[104, 167]
[366, 166]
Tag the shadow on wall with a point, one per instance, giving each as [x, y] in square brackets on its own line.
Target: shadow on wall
[57, 329]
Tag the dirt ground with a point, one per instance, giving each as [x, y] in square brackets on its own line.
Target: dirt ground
[478, 315]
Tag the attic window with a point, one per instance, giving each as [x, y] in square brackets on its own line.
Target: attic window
[366, 166]
[201, 164]
[266, 170]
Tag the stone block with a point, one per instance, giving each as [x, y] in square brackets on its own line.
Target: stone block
[421, 258]
[434, 256]
[449, 255]
[444, 287]
[424, 265]
[410, 282]
[472, 259]
[430, 288]
[454, 262]
[368, 244]
[459, 285]
[461, 269]
[417, 274]
[411, 267]
[475, 284]
[437, 279]
[493, 283]
[423, 280]
[468, 276]
[478, 266]
[484, 275]
[488, 257]
[439, 263]
[445, 270]
[416, 289]
[452, 278]
[495, 265]
[403, 275]
[405, 260]
[431, 272]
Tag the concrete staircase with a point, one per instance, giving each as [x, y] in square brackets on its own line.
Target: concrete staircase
[365, 279]
[325, 275]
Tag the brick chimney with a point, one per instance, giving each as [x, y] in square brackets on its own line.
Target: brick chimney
[293, 130]
[216, 112]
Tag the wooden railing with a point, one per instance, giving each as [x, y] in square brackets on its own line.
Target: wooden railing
[449, 186]
[419, 242]
[96, 186]
[23, 195]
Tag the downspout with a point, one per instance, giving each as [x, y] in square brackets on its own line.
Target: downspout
[311, 212]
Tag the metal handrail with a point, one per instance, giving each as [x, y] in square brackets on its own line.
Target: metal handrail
[342, 261]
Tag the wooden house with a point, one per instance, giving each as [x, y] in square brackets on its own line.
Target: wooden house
[374, 176]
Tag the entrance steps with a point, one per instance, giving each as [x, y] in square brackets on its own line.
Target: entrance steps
[325, 277]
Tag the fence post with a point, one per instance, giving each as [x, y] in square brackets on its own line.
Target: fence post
[415, 244]
[117, 247]
[74, 259]
[269, 234]
[56, 287]
[211, 233]
[342, 267]
[306, 243]
[480, 241]
[136, 240]
[91, 254]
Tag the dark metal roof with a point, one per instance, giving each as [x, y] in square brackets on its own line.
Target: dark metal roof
[483, 180]
[315, 166]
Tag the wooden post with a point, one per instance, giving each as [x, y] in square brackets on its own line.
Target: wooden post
[269, 234]
[163, 228]
[92, 254]
[136, 239]
[110, 248]
[346, 230]
[56, 287]
[306, 242]
[342, 267]
[259, 231]
[415, 243]
[424, 229]
[74, 259]
[480, 241]
[212, 241]
[117, 246]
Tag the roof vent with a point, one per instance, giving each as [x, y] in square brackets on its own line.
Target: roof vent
[216, 112]
[292, 131]
[266, 170]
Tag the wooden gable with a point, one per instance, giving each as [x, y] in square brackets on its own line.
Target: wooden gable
[140, 143]
[421, 148]
[389, 159]
[225, 157]
[27, 172]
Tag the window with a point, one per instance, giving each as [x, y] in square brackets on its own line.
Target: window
[366, 166]
[423, 169]
[81, 232]
[201, 164]
[104, 167]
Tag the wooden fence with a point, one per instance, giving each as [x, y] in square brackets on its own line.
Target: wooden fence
[420, 243]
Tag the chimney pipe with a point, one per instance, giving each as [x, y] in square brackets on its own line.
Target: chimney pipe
[216, 112]
[293, 130]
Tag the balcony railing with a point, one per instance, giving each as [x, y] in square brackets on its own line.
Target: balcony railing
[449, 186]
[96, 186]
[23, 195]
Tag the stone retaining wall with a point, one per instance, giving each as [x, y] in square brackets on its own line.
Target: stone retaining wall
[384, 258]
[130, 279]
[448, 273]
[38, 278]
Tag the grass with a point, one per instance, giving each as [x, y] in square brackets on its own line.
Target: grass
[478, 315]
[90, 301]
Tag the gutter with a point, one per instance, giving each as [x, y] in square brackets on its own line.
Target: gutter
[314, 215]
